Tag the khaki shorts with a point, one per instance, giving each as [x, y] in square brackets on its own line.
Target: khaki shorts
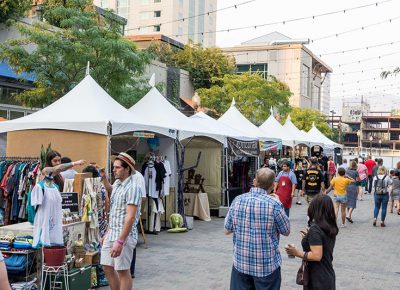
[123, 261]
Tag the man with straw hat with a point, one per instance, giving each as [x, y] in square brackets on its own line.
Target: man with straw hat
[121, 236]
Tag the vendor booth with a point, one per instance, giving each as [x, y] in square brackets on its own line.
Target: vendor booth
[329, 147]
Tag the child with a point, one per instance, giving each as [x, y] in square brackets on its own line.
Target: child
[339, 184]
[395, 193]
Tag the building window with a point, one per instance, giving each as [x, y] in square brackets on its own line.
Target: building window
[3, 114]
[316, 98]
[16, 114]
[305, 81]
[156, 28]
[260, 68]
[157, 13]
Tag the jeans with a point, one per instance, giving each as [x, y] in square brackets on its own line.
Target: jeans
[369, 184]
[287, 210]
[241, 281]
[381, 200]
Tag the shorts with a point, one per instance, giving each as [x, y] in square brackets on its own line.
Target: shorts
[309, 197]
[123, 261]
[340, 198]
[362, 183]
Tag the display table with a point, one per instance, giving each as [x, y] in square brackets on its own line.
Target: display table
[196, 204]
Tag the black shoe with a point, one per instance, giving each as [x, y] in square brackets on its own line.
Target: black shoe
[349, 219]
[298, 202]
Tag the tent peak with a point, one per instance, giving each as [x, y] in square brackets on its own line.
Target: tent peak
[152, 81]
[87, 68]
[233, 102]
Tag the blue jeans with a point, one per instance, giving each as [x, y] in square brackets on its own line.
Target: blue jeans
[287, 210]
[240, 281]
[381, 200]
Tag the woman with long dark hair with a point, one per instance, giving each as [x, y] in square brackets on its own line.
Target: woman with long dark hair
[53, 159]
[318, 243]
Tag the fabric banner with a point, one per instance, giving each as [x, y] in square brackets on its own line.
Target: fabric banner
[243, 148]
[270, 145]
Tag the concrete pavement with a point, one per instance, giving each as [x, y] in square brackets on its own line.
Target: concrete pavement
[365, 257]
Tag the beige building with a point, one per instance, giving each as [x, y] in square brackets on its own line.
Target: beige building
[178, 19]
[289, 61]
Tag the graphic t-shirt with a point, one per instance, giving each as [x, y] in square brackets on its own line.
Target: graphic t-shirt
[313, 179]
[340, 184]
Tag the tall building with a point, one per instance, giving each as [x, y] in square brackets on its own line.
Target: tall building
[181, 20]
[290, 62]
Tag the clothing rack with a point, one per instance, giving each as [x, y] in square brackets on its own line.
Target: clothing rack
[19, 158]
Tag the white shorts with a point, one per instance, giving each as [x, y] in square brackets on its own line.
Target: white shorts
[123, 261]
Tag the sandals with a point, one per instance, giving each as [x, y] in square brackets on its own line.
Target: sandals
[349, 219]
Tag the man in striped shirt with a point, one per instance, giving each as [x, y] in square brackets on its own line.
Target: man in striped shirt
[256, 220]
[121, 237]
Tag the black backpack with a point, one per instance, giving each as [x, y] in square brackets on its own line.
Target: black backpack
[379, 185]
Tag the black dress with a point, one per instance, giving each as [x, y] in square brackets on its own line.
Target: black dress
[322, 275]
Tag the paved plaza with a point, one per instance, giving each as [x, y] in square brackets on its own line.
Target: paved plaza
[364, 257]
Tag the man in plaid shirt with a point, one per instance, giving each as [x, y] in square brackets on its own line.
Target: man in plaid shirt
[256, 220]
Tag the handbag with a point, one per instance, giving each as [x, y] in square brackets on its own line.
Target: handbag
[303, 274]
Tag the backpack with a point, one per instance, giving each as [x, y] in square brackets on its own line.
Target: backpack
[380, 187]
[30, 209]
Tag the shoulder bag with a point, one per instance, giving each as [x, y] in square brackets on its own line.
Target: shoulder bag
[303, 274]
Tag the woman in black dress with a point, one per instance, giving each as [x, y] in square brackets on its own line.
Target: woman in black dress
[319, 242]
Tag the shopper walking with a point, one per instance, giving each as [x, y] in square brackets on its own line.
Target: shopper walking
[395, 193]
[299, 172]
[121, 237]
[370, 164]
[382, 185]
[352, 190]
[340, 184]
[318, 244]
[363, 176]
[285, 185]
[313, 182]
[331, 169]
[256, 220]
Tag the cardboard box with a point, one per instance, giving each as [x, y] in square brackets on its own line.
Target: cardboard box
[92, 258]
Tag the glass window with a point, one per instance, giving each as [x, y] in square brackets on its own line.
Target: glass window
[16, 115]
[241, 68]
[156, 28]
[305, 82]
[260, 68]
[316, 100]
[3, 114]
[157, 1]
[157, 13]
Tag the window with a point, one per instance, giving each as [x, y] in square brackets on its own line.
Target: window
[316, 98]
[157, 13]
[260, 68]
[16, 114]
[156, 28]
[305, 81]
[3, 114]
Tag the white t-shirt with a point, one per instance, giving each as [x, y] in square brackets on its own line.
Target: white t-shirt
[138, 179]
[47, 227]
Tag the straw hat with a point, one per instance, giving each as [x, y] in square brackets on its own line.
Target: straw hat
[128, 159]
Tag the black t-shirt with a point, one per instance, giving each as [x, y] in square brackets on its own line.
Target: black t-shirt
[313, 178]
[299, 176]
[322, 275]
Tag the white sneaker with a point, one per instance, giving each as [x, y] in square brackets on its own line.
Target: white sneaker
[343, 226]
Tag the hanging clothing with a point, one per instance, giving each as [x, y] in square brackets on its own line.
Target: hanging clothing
[150, 180]
[167, 178]
[160, 175]
[47, 229]
[157, 209]
[68, 185]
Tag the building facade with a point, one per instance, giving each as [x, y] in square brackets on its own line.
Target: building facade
[290, 62]
[182, 20]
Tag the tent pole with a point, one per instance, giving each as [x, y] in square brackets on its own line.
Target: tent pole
[226, 177]
[108, 152]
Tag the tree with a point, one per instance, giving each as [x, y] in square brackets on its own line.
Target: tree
[303, 119]
[202, 63]
[254, 95]
[60, 58]
[12, 9]
[394, 72]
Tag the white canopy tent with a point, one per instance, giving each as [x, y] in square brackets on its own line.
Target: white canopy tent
[273, 128]
[86, 108]
[299, 137]
[154, 108]
[219, 127]
[318, 135]
[233, 118]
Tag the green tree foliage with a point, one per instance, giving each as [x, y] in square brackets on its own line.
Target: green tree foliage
[394, 72]
[202, 63]
[254, 95]
[12, 9]
[304, 118]
[61, 54]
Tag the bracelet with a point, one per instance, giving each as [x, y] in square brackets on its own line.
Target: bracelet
[120, 242]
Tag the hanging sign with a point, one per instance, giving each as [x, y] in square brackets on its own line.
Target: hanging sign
[270, 145]
[143, 135]
[70, 200]
[243, 148]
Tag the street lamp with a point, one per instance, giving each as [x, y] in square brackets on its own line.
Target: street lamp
[370, 144]
[333, 113]
[358, 141]
[380, 147]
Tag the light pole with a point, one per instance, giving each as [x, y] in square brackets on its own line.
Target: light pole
[370, 144]
[333, 113]
[358, 142]
[380, 147]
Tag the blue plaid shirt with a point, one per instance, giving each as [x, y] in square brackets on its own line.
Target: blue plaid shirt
[256, 220]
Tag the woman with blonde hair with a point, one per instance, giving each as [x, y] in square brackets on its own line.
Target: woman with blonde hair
[382, 186]
[352, 190]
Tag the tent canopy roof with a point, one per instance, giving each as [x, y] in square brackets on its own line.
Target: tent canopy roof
[318, 135]
[87, 108]
[272, 127]
[299, 137]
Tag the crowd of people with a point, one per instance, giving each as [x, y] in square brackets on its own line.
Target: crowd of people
[259, 217]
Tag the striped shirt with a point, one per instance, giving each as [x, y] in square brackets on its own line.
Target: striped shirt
[123, 193]
[256, 220]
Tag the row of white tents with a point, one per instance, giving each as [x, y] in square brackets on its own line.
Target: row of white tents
[88, 108]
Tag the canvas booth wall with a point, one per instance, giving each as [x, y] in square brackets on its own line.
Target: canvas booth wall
[138, 148]
[210, 166]
[74, 144]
